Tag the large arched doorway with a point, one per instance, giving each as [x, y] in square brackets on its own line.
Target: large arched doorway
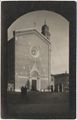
[59, 39]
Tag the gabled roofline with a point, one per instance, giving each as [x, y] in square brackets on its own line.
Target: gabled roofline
[30, 31]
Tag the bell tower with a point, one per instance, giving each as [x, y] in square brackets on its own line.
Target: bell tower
[45, 31]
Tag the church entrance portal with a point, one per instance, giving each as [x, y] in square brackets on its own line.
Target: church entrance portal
[34, 81]
[34, 85]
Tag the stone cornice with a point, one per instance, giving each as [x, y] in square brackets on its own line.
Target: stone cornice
[31, 31]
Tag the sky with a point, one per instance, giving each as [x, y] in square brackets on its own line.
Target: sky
[59, 30]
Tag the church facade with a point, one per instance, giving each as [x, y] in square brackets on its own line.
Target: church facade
[32, 59]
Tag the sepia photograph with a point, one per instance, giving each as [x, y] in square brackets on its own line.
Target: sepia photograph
[38, 60]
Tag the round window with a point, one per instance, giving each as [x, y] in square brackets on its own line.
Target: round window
[34, 52]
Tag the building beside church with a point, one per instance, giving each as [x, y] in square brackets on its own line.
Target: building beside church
[31, 53]
[61, 82]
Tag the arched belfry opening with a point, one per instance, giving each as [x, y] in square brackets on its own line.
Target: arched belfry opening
[45, 30]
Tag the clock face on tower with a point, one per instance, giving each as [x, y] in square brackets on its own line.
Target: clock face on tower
[34, 51]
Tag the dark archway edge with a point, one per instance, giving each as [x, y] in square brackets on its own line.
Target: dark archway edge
[11, 10]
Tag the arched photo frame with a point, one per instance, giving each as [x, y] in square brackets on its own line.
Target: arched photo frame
[13, 10]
